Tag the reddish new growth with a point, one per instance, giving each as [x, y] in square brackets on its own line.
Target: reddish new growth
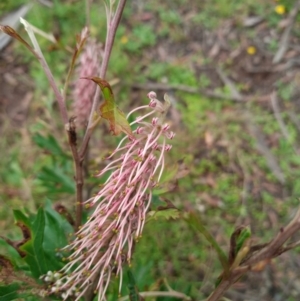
[105, 242]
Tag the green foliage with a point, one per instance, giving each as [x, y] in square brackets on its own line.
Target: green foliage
[9, 292]
[48, 232]
[56, 176]
[195, 222]
[141, 37]
[49, 144]
[166, 214]
[242, 238]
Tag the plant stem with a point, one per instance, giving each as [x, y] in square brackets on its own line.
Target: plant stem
[269, 251]
[110, 37]
[71, 130]
[171, 293]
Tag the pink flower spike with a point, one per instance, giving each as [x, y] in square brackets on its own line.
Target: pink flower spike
[105, 242]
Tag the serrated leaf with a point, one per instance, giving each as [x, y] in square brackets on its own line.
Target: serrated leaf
[109, 109]
[167, 214]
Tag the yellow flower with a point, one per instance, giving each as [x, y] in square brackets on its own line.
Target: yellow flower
[124, 40]
[280, 9]
[251, 50]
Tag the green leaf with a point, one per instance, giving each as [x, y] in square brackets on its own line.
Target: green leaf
[21, 217]
[195, 223]
[49, 231]
[133, 291]
[109, 109]
[49, 144]
[57, 229]
[167, 214]
[243, 236]
[9, 292]
[11, 253]
[57, 180]
[38, 261]
[80, 41]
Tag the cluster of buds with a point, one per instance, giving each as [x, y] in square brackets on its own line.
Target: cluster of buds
[105, 242]
[84, 91]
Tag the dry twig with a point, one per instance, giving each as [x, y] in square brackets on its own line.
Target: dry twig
[265, 253]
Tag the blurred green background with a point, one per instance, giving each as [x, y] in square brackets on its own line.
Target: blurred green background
[235, 113]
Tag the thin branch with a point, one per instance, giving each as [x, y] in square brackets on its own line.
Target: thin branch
[267, 252]
[110, 37]
[59, 97]
[290, 247]
[171, 293]
[275, 245]
[71, 130]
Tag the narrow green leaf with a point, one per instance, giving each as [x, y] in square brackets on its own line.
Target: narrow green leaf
[57, 229]
[133, 291]
[49, 144]
[11, 253]
[9, 292]
[38, 260]
[109, 109]
[167, 214]
[244, 235]
[195, 223]
[21, 217]
[80, 41]
[57, 180]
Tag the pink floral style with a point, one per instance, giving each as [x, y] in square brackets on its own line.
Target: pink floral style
[105, 242]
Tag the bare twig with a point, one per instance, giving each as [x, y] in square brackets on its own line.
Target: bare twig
[267, 252]
[71, 130]
[171, 293]
[284, 41]
[59, 97]
[112, 26]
